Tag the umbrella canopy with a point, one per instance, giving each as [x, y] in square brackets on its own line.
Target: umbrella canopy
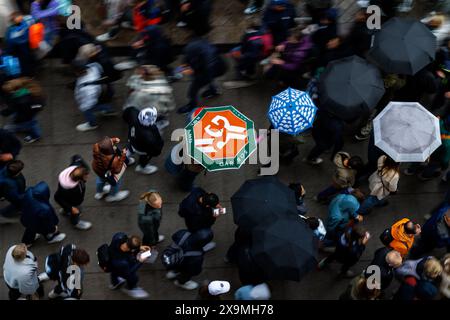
[292, 111]
[284, 250]
[407, 132]
[403, 46]
[262, 200]
[350, 87]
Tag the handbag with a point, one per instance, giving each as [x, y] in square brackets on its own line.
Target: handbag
[113, 178]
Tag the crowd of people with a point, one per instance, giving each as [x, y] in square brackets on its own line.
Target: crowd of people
[278, 46]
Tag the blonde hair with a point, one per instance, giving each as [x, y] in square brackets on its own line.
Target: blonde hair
[151, 197]
[432, 268]
[19, 252]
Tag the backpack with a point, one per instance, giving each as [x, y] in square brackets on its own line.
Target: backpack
[267, 42]
[174, 254]
[53, 266]
[103, 258]
[386, 237]
[11, 65]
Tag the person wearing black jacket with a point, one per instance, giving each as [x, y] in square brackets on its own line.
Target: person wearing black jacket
[196, 14]
[71, 191]
[10, 147]
[143, 137]
[387, 260]
[203, 61]
[191, 265]
[72, 262]
[124, 263]
[12, 188]
[278, 18]
[197, 209]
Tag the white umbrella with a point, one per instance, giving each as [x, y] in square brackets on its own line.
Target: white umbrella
[407, 132]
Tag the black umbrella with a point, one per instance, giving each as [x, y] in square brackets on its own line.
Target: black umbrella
[350, 87]
[403, 46]
[284, 250]
[262, 200]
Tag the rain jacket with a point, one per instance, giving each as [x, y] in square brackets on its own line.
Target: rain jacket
[12, 188]
[37, 212]
[402, 242]
[343, 208]
[295, 54]
[47, 16]
[279, 22]
[382, 183]
[344, 177]
[70, 193]
[149, 219]
[435, 230]
[196, 216]
[122, 263]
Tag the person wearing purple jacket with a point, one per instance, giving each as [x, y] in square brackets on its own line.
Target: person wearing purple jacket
[47, 11]
[291, 57]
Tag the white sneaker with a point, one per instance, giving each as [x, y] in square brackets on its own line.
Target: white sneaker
[60, 237]
[99, 195]
[43, 277]
[126, 65]
[161, 238]
[209, 246]
[131, 161]
[119, 196]
[107, 189]
[171, 275]
[104, 37]
[85, 127]
[53, 295]
[181, 24]
[148, 169]
[136, 293]
[251, 10]
[189, 285]
[83, 225]
[118, 285]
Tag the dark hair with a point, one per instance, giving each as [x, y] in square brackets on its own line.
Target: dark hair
[356, 233]
[14, 167]
[79, 173]
[297, 187]
[356, 163]
[80, 257]
[134, 243]
[313, 222]
[389, 164]
[210, 200]
[410, 227]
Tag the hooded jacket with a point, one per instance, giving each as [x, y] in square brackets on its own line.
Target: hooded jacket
[37, 212]
[435, 229]
[9, 143]
[402, 242]
[149, 219]
[195, 216]
[295, 54]
[279, 22]
[344, 177]
[144, 139]
[192, 265]
[12, 188]
[69, 193]
[343, 208]
[21, 275]
[122, 263]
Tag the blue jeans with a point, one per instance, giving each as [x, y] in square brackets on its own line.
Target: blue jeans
[100, 183]
[30, 127]
[369, 204]
[90, 113]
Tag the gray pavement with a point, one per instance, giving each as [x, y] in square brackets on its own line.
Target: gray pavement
[46, 158]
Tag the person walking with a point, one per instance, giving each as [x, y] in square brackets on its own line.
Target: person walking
[38, 216]
[124, 253]
[149, 217]
[71, 191]
[10, 147]
[382, 183]
[401, 236]
[387, 260]
[20, 272]
[12, 188]
[109, 165]
[144, 138]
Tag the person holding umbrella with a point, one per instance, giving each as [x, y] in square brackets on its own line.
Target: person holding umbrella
[349, 249]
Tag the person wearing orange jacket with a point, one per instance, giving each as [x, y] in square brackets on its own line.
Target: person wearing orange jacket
[402, 235]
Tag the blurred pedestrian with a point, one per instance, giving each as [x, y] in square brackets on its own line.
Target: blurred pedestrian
[149, 217]
[12, 188]
[278, 18]
[10, 147]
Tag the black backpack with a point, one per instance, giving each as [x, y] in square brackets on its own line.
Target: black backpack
[174, 254]
[104, 261]
[386, 237]
[53, 266]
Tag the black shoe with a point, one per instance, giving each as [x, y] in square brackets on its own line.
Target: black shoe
[185, 109]
[208, 94]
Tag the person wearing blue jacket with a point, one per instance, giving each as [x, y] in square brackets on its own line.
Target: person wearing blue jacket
[278, 18]
[435, 232]
[17, 41]
[341, 211]
[38, 216]
[124, 257]
[10, 147]
[12, 187]
[204, 63]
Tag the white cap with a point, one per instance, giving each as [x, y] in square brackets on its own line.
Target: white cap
[147, 117]
[260, 292]
[216, 288]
